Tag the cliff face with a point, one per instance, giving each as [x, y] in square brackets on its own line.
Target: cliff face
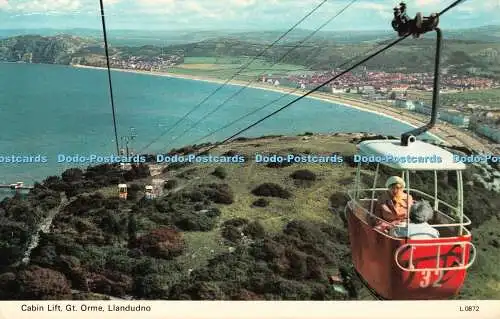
[37, 49]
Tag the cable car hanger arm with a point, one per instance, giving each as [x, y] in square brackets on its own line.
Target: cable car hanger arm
[409, 136]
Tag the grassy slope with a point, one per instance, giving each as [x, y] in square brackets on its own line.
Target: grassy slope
[483, 281]
[226, 67]
[409, 56]
[487, 97]
[482, 97]
[307, 203]
[312, 204]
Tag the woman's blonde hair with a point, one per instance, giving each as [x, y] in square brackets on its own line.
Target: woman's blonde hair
[395, 180]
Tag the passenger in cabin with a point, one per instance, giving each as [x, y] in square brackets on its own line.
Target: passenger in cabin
[403, 15]
[393, 205]
[396, 21]
[420, 214]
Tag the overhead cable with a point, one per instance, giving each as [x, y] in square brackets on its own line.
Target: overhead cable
[273, 101]
[393, 43]
[106, 50]
[234, 75]
[275, 63]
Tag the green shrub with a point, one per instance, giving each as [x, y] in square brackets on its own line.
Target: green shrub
[271, 190]
[220, 172]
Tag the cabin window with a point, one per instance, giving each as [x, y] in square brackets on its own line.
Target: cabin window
[439, 188]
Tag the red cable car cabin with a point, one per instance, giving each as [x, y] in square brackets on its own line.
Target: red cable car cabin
[408, 268]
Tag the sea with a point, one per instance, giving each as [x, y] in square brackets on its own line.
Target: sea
[49, 110]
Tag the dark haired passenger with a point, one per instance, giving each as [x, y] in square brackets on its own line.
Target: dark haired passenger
[420, 214]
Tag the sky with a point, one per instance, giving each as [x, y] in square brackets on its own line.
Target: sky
[233, 14]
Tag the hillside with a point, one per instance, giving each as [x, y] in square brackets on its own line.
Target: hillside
[119, 37]
[410, 56]
[38, 49]
[490, 33]
[125, 37]
[234, 231]
[459, 56]
[484, 34]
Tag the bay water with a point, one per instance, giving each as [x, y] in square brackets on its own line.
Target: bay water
[52, 109]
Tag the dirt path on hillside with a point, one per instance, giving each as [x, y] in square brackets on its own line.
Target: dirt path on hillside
[44, 227]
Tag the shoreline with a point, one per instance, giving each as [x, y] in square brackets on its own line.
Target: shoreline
[362, 105]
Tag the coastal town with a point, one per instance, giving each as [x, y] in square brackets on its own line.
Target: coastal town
[138, 63]
[372, 82]
[410, 91]
[368, 82]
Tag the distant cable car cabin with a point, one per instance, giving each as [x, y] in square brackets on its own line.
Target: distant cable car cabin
[122, 191]
[410, 268]
[17, 185]
[125, 166]
[149, 192]
[158, 187]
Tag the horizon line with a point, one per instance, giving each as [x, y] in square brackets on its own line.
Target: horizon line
[227, 30]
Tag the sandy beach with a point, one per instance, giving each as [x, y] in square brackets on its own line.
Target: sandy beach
[445, 133]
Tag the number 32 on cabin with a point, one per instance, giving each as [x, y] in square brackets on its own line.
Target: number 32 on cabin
[431, 278]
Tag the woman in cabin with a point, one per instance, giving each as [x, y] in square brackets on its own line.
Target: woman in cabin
[393, 205]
